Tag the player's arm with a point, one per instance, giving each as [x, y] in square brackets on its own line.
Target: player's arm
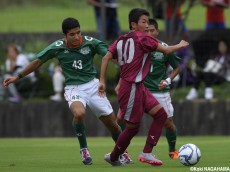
[30, 68]
[164, 83]
[104, 65]
[173, 48]
[174, 72]
[117, 88]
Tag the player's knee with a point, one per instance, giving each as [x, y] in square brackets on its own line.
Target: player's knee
[161, 114]
[133, 128]
[78, 115]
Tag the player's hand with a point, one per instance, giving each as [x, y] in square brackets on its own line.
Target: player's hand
[101, 90]
[117, 89]
[183, 43]
[9, 80]
[163, 84]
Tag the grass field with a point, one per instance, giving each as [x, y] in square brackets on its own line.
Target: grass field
[47, 18]
[62, 155]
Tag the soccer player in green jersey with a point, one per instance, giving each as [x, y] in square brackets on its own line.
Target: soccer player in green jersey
[75, 54]
[158, 83]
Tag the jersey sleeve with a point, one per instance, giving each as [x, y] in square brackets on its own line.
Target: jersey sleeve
[101, 47]
[49, 52]
[148, 43]
[173, 60]
[113, 49]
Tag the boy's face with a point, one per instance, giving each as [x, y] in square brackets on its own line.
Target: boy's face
[153, 31]
[73, 37]
[142, 24]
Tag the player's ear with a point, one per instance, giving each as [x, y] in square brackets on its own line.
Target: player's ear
[133, 25]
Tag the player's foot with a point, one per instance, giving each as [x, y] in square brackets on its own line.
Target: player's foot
[56, 98]
[193, 94]
[125, 159]
[113, 163]
[150, 159]
[174, 154]
[85, 156]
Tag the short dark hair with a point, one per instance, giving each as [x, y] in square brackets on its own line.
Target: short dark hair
[154, 23]
[135, 14]
[69, 23]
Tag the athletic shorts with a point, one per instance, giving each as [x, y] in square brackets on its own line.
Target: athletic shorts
[165, 100]
[87, 94]
[134, 100]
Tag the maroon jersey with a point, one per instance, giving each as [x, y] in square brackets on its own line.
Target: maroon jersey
[132, 51]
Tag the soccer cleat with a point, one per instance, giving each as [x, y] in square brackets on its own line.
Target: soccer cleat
[174, 154]
[125, 159]
[85, 156]
[113, 163]
[150, 159]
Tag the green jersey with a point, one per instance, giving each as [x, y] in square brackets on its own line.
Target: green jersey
[158, 67]
[77, 63]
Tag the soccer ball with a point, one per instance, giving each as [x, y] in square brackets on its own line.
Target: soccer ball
[189, 154]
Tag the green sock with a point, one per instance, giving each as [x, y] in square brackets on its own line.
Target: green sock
[80, 133]
[116, 135]
[171, 138]
[122, 126]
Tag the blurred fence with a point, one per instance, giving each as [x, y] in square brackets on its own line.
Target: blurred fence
[50, 119]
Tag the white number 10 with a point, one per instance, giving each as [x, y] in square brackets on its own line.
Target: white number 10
[122, 56]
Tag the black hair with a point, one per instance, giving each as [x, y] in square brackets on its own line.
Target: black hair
[154, 23]
[135, 14]
[69, 23]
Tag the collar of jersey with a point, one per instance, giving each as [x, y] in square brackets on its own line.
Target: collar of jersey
[76, 46]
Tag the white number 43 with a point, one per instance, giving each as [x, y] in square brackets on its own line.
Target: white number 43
[77, 64]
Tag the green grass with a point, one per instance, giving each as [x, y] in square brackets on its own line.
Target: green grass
[47, 18]
[62, 154]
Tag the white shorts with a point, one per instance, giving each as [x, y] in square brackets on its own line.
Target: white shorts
[165, 101]
[87, 94]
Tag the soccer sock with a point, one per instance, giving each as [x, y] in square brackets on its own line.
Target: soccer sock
[171, 138]
[155, 130]
[80, 133]
[116, 135]
[123, 142]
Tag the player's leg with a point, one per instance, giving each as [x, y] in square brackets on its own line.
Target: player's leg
[78, 111]
[123, 142]
[132, 112]
[171, 135]
[77, 106]
[103, 110]
[159, 117]
[170, 129]
[110, 123]
[120, 121]
[125, 156]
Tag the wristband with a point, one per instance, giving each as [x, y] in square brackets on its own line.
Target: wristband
[168, 80]
[20, 76]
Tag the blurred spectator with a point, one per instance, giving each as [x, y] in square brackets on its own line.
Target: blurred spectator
[112, 27]
[58, 84]
[216, 71]
[15, 63]
[215, 13]
[174, 21]
[156, 7]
